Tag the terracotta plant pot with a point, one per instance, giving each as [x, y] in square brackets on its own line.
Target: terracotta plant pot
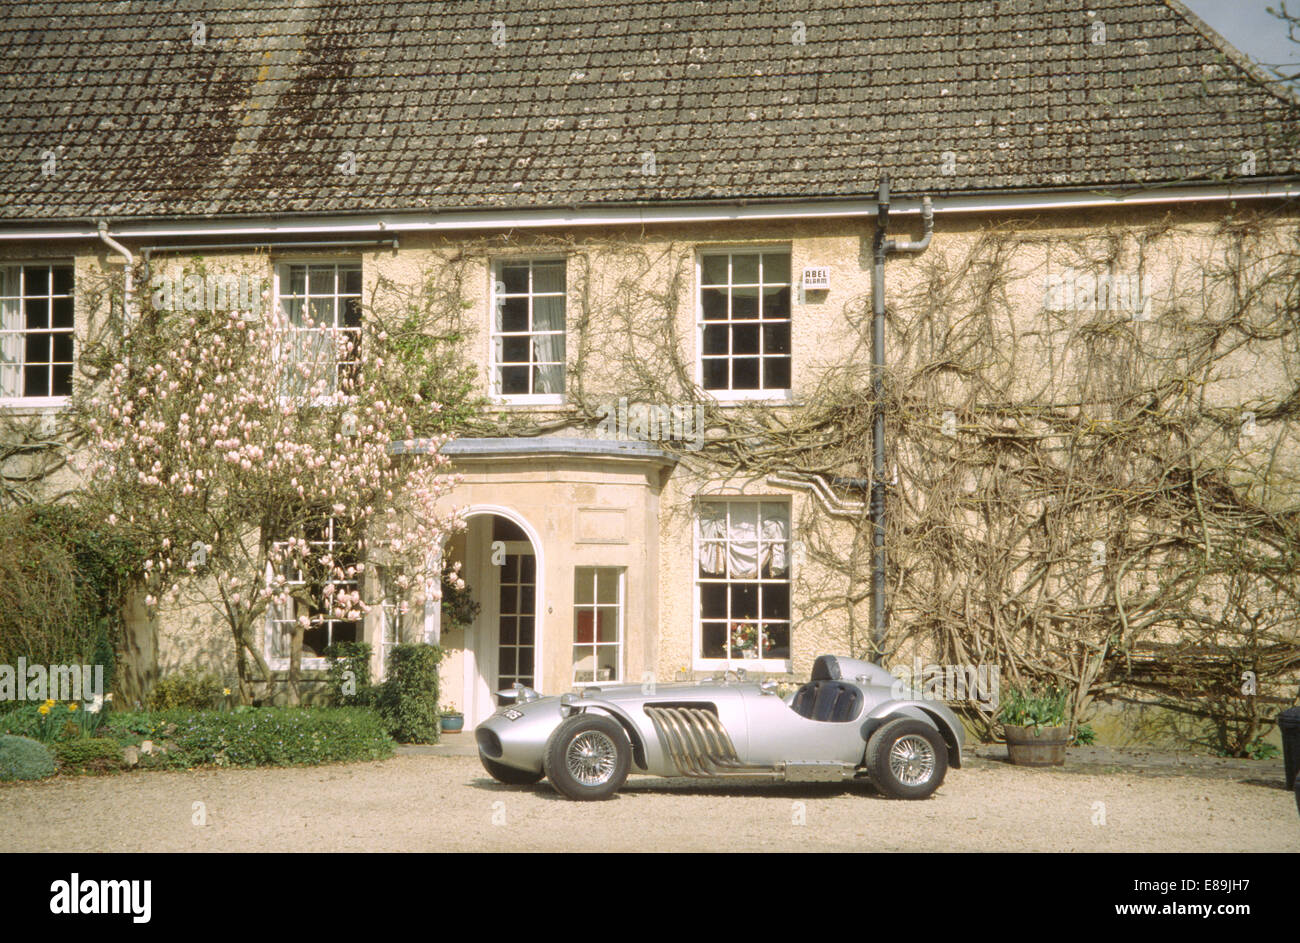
[1036, 746]
[453, 723]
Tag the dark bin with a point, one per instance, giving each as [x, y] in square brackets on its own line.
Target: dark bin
[1288, 722]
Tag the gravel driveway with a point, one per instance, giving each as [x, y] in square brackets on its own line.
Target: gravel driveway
[425, 802]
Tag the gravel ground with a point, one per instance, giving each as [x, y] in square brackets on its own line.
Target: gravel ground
[431, 801]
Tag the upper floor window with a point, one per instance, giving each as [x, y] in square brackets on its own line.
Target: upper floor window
[322, 302]
[528, 330]
[36, 332]
[745, 321]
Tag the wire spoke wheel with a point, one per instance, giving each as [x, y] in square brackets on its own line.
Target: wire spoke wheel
[911, 760]
[591, 758]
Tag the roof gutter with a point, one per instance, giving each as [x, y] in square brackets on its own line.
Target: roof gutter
[387, 224]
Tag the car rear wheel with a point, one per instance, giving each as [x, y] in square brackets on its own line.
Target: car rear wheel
[588, 757]
[509, 775]
[907, 759]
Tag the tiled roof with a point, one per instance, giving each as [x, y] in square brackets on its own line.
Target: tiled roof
[115, 108]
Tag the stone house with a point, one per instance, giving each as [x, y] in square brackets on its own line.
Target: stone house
[659, 220]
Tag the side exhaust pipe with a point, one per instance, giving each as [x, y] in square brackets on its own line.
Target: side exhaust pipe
[698, 744]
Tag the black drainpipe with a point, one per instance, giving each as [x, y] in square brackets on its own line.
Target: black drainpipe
[882, 247]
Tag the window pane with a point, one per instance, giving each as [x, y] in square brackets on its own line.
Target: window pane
[744, 303]
[38, 313]
[776, 303]
[715, 339]
[744, 339]
[36, 381]
[776, 601]
[62, 381]
[744, 374]
[515, 278]
[606, 585]
[62, 348]
[548, 379]
[352, 281]
[713, 270]
[548, 314]
[713, 640]
[512, 315]
[297, 279]
[713, 600]
[63, 312]
[515, 349]
[526, 630]
[36, 280]
[320, 280]
[776, 267]
[713, 301]
[776, 338]
[38, 348]
[63, 279]
[584, 585]
[776, 373]
[548, 277]
[715, 374]
[744, 269]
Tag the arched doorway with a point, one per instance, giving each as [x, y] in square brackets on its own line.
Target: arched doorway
[503, 566]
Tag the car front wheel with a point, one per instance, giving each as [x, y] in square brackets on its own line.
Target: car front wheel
[588, 757]
[907, 759]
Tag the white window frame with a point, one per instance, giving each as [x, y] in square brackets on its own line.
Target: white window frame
[620, 607]
[698, 661]
[282, 662]
[770, 395]
[22, 333]
[281, 278]
[494, 367]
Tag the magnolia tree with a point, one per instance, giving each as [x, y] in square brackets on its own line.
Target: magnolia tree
[256, 457]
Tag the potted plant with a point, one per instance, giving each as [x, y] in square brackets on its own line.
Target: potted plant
[1035, 726]
[744, 639]
[452, 720]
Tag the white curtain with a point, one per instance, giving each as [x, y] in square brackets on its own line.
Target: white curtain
[746, 553]
[11, 341]
[548, 315]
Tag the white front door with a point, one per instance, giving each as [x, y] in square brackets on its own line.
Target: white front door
[504, 634]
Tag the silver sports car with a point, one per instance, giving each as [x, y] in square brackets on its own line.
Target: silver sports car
[852, 719]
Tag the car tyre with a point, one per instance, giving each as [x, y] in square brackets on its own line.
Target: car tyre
[588, 757]
[510, 775]
[906, 759]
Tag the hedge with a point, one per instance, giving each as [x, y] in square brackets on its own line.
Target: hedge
[255, 736]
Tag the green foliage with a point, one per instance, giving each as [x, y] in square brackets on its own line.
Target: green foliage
[459, 608]
[351, 657]
[1025, 707]
[408, 700]
[92, 753]
[50, 722]
[1260, 750]
[63, 579]
[21, 758]
[1085, 735]
[189, 688]
[256, 736]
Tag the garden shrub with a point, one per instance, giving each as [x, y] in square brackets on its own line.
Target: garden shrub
[188, 688]
[50, 721]
[256, 736]
[353, 657]
[93, 753]
[21, 758]
[408, 700]
[63, 578]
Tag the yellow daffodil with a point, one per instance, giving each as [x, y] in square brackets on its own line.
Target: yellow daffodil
[44, 709]
[72, 706]
[226, 692]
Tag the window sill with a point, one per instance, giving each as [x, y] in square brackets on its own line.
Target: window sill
[533, 400]
[44, 404]
[749, 397]
[766, 665]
